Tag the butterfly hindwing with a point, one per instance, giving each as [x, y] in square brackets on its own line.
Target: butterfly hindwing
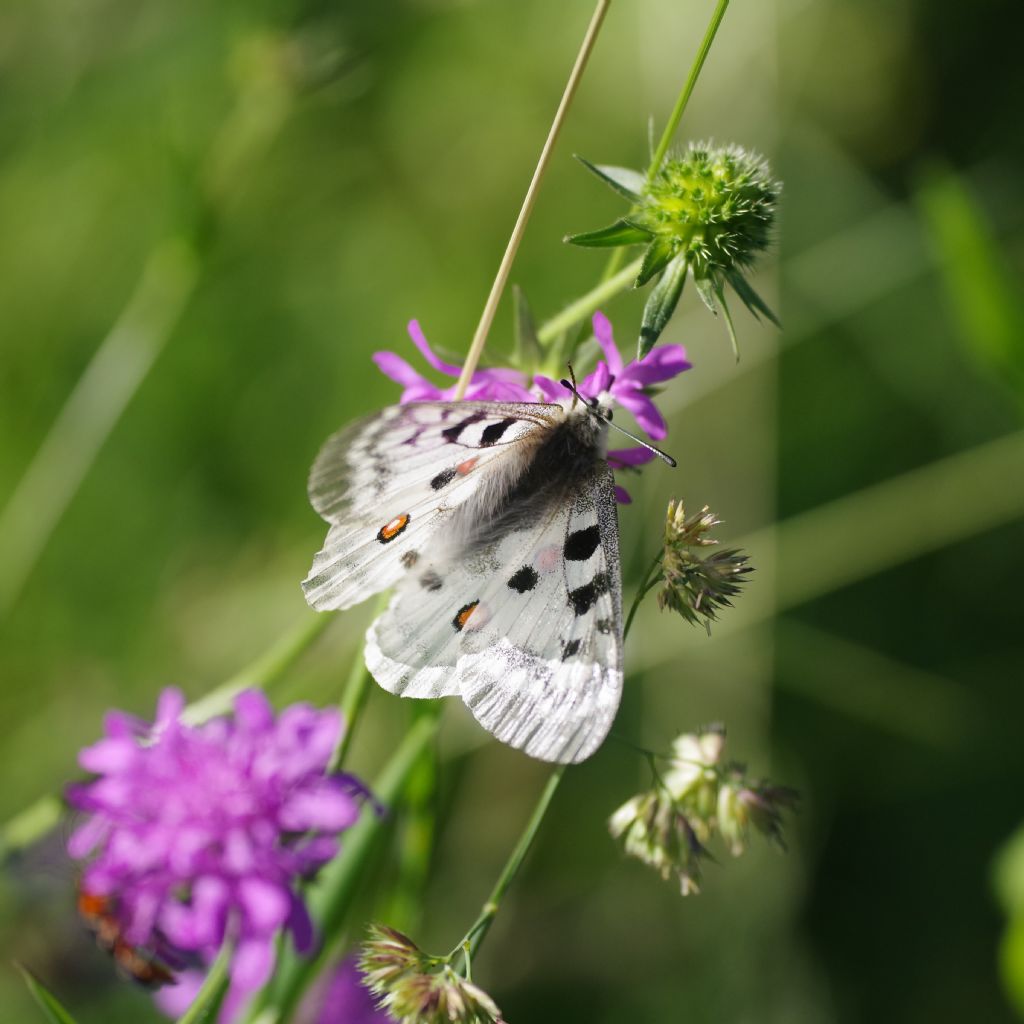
[527, 628]
[387, 485]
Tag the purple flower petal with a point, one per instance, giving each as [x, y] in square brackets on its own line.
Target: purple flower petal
[623, 457]
[551, 390]
[395, 367]
[419, 339]
[109, 756]
[622, 495]
[252, 964]
[266, 905]
[605, 338]
[662, 363]
[644, 411]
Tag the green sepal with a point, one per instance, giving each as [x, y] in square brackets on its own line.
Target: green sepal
[624, 180]
[727, 316]
[51, 1006]
[657, 257]
[706, 290]
[750, 298]
[622, 232]
[528, 351]
[661, 304]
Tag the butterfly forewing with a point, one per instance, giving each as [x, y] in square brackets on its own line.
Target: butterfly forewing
[388, 484]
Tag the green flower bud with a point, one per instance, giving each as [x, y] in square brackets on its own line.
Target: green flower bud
[715, 205]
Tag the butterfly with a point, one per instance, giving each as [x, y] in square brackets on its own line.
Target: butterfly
[496, 524]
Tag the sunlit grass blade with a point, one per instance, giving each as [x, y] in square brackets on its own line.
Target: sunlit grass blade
[51, 1006]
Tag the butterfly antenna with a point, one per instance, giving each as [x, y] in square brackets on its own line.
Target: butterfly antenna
[622, 430]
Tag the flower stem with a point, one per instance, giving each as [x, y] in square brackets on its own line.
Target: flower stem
[215, 985]
[684, 97]
[671, 126]
[579, 310]
[641, 592]
[475, 936]
[490, 307]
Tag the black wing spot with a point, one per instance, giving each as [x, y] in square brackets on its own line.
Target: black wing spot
[581, 544]
[492, 434]
[430, 580]
[443, 479]
[410, 558]
[523, 579]
[584, 598]
[603, 625]
[571, 647]
[452, 433]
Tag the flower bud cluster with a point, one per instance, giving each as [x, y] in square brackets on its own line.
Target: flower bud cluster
[416, 988]
[694, 585]
[697, 797]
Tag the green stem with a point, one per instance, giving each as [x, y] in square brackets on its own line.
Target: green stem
[262, 673]
[338, 884]
[586, 304]
[475, 936]
[353, 697]
[215, 985]
[641, 592]
[671, 126]
[684, 97]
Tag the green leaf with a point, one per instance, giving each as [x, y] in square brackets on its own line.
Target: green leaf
[658, 255]
[528, 350]
[211, 993]
[750, 298]
[626, 182]
[706, 290]
[980, 284]
[619, 233]
[661, 304]
[50, 1004]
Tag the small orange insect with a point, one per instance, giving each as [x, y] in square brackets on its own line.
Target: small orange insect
[99, 913]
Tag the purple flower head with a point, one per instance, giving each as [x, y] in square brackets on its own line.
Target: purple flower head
[195, 830]
[490, 385]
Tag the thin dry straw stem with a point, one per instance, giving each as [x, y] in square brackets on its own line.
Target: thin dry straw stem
[491, 306]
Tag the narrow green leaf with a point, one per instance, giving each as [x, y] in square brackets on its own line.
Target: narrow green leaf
[706, 290]
[981, 286]
[619, 233]
[727, 317]
[657, 257]
[48, 1002]
[528, 351]
[211, 993]
[626, 182]
[661, 304]
[750, 298]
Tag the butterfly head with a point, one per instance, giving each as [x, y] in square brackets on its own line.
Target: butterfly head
[599, 412]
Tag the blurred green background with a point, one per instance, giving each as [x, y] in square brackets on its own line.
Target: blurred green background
[212, 215]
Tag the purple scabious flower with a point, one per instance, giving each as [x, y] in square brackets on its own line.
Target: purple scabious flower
[489, 385]
[200, 832]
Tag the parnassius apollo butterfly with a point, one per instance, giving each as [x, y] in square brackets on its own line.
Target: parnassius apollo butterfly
[496, 523]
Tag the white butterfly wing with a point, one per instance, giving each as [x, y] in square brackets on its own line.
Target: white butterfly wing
[527, 628]
[387, 484]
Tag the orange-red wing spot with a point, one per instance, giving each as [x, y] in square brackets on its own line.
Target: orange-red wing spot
[464, 467]
[147, 972]
[389, 531]
[463, 614]
[92, 906]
